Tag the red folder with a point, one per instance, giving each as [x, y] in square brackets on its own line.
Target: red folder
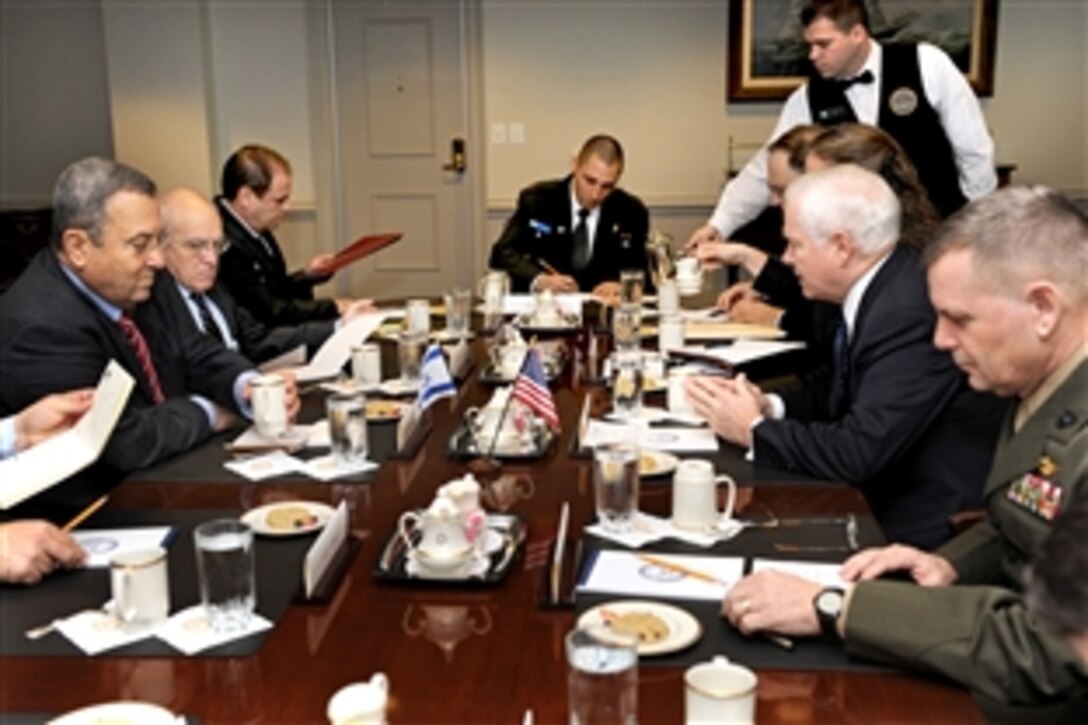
[363, 247]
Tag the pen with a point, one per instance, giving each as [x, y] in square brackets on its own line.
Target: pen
[680, 568]
[84, 514]
[547, 267]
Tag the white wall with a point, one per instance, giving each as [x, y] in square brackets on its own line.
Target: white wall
[653, 73]
[53, 105]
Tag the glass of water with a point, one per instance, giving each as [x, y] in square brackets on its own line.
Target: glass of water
[225, 569]
[347, 428]
[628, 382]
[625, 327]
[615, 485]
[602, 676]
[410, 351]
[417, 316]
[632, 282]
[458, 312]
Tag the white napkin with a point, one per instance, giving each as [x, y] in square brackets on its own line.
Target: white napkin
[189, 631]
[97, 630]
[649, 528]
[269, 465]
[325, 468]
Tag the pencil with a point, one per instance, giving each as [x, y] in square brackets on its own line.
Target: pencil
[85, 514]
[547, 267]
[693, 573]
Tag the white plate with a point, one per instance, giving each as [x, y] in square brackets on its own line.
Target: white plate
[137, 713]
[656, 463]
[258, 518]
[684, 629]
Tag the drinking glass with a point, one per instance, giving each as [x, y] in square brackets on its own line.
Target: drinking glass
[625, 327]
[602, 677]
[615, 485]
[458, 312]
[225, 569]
[632, 282]
[410, 351]
[417, 316]
[628, 382]
[347, 428]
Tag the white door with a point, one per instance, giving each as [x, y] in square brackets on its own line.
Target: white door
[401, 88]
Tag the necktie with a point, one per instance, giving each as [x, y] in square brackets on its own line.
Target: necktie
[863, 78]
[581, 242]
[210, 328]
[143, 355]
[840, 380]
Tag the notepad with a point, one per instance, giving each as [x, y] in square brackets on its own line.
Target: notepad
[46, 464]
[622, 572]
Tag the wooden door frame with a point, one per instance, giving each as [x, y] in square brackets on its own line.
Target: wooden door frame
[327, 147]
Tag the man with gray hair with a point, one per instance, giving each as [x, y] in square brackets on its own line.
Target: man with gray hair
[89, 299]
[887, 412]
[1007, 278]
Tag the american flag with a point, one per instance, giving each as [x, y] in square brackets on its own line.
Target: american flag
[531, 388]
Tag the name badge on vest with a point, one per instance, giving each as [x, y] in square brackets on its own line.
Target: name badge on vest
[1035, 491]
[903, 101]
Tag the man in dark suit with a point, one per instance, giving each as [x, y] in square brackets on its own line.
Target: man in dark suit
[576, 233]
[888, 413]
[192, 242]
[1006, 276]
[89, 299]
[256, 188]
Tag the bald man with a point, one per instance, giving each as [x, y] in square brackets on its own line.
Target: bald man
[192, 244]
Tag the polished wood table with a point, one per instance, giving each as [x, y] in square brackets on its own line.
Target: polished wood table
[452, 654]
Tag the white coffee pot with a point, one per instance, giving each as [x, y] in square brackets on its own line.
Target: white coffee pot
[442, 543]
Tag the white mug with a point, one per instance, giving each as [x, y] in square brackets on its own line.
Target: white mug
[695, 496]
[140, 586]
[366, 364]
[676, 399]
[668, 297]
[689, 277]
[269, 400]
[719, 692]
[360, 703]
[417, 316]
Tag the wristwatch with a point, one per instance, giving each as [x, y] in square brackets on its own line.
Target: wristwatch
[828, 605]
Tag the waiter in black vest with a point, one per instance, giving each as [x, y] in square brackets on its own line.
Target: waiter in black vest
[914, 92]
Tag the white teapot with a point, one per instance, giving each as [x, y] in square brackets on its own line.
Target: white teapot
[489, 423]
[465, 494]
[443, 546]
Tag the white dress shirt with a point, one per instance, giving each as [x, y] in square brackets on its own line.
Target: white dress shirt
[946, 90]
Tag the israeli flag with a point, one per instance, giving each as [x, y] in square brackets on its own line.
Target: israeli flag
[435, 380]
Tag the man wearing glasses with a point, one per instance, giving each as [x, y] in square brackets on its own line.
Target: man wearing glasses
[192, 244]
[91, 298]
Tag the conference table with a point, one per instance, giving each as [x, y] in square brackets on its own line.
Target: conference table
[453, 653]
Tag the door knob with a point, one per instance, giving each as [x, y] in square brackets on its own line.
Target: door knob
[457, 157]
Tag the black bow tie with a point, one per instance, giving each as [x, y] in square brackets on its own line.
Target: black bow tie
[864, 78]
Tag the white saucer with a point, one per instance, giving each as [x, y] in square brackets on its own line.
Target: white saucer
[474, 566]
[258, 518]
[137, 713]
[684, 629]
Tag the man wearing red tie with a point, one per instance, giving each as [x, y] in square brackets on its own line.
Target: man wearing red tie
[88, 299]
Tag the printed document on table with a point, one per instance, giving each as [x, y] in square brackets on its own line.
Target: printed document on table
[102, 545]
[744, 351]
[627, 573]
[819, 572]
[36, 469]
[679, 439]
[337, 349]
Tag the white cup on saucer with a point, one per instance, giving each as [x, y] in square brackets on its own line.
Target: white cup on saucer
[719, 692]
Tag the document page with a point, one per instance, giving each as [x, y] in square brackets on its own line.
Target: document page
[688, 577]
[819, 572]
[337, 349]
[36, 469]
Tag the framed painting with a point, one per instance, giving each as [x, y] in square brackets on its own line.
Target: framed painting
[767, 57]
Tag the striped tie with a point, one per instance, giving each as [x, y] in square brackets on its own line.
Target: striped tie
[210, 328]
[139, 345]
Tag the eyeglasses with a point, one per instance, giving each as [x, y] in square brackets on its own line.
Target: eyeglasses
[199, 246]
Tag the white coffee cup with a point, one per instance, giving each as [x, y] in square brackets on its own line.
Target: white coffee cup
[689, 277]
[366, 364]
[670, 332]
[417, 316]
[668, 297]
[695, 496]
[676, 400]
[140, 586]
[268, 398]
[360, 703]
[719, 692]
